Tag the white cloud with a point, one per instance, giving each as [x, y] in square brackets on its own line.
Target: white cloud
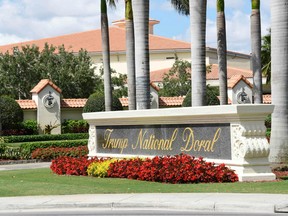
[30, 19]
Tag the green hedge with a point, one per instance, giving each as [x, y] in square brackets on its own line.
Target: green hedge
[26, 149]
[44, 137]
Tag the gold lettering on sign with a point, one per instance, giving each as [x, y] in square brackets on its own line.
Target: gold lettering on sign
[120, 143]
[193, 144]
[150, 142]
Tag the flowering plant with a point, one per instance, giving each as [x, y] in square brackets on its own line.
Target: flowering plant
[172, 169]
[71, 166]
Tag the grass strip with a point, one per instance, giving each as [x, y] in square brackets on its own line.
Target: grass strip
[44, 182]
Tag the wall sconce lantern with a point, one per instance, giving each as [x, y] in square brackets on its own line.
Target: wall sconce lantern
[49, 100]
[242, 97]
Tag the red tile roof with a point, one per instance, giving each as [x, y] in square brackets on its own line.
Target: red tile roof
[267, 99]
[163, 101]
[124, 101]
[91, 41]
[42, 84]
[171, 101]
[27, 104]
[231, 71]
[80, 103]
[154, 86]
[73, 103]
[157, 76]
[236, 79]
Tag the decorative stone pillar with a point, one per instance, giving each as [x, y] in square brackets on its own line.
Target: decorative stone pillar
[47, 98]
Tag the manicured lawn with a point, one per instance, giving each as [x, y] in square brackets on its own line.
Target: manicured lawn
[44, 182]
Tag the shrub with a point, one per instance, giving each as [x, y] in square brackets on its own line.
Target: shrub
[268, 121]
[45, 137]
[3, 148]
[50, 153]
[26, 149]
[172, 169]
[30, 127]
[9, 153]
[11, 113]
[99, 168]
[211, 97]
[75, 126]
[71, 166]
[96, 103]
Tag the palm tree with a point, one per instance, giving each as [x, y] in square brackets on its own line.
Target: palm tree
[256, 51]
[198, 49]
[106, 53]
[279, 80]
[221, 51]
[141, 23]
[181, 6]
[130, 54]
[266, 56]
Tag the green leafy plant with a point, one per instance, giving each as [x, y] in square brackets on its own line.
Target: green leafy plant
[30, 126]
[75, 126]
[3, 148]
[211, 97]
[11, 113]
[49, 127]
[96, 103]
[26, 149]
[45, 137]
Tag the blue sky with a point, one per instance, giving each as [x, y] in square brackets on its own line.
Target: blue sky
[22, 20]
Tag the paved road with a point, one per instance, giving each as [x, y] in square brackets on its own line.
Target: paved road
[89, 212]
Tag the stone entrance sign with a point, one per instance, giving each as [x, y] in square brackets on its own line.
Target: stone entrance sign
[210, 140]
[233, 134]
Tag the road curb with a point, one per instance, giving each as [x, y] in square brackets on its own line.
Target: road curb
[205, 206]
[281, 208]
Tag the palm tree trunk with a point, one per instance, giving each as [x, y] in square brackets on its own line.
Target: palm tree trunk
[221, 51]
[141, 23]
[130, 54]
[106, 56]
[279, 80]
[256, 51]
[198, 49]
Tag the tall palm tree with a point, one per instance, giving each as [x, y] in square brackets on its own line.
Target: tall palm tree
[130, 54]
[106, 53]
[221, 51]
[198, 49]
[279, 80]
[141, 23]
[256, 51]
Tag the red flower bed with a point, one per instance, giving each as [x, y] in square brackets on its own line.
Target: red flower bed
[54, 152]
[71, 166]
[169, 169]
[172, 169]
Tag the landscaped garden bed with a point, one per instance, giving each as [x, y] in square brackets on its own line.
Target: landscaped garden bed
[167, 169]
